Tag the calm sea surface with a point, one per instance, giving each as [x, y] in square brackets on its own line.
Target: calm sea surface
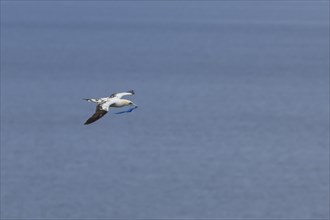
[233, 117]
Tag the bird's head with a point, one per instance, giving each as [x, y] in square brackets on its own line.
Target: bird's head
[130, 103]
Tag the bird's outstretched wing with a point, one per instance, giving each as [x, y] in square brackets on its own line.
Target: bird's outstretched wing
[99, 113]
[121, 94]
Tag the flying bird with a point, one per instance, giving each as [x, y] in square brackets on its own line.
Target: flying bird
[104, 104]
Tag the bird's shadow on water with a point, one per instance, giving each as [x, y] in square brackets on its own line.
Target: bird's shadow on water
[126, 111]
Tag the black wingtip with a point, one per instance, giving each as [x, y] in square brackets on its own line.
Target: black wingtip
[89, 121]
[132, 91]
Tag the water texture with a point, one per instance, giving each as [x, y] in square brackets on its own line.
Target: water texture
[233, 117]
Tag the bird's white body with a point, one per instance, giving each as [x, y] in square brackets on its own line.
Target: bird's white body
[108, 102]
[104, 104]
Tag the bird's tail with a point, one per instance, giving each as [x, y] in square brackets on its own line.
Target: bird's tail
[92, 100]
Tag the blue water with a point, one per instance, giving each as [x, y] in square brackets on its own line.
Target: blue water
[233, 117]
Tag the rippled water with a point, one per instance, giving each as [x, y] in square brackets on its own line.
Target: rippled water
[233, 117]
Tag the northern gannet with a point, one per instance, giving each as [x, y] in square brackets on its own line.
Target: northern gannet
[104, 104]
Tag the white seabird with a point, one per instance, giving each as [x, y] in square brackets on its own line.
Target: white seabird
[104, 104]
